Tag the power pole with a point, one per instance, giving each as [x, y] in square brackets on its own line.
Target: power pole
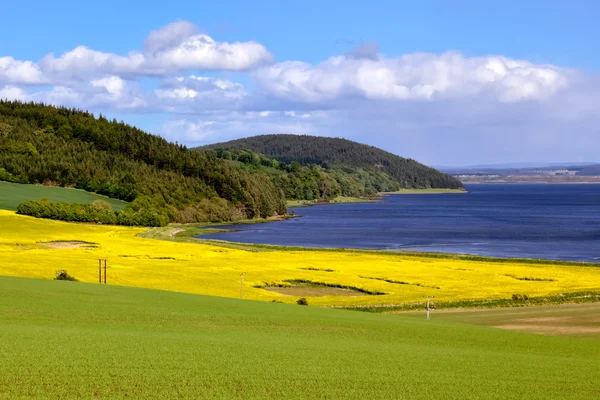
[99, 270]
[105, 271]
[242, 285]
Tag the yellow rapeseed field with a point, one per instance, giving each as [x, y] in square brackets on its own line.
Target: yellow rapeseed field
[214, 270]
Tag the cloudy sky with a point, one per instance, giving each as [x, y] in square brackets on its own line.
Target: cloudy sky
[445, 82]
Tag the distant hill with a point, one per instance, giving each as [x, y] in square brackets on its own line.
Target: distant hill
[589, 170]
[336, 153]
[577, 169]
[514, 166]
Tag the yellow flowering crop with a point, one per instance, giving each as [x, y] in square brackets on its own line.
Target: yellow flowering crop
[214, 270]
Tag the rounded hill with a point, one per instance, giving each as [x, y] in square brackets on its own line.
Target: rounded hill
[341, 153]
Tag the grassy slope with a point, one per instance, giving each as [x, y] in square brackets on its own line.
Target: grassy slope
[12, 194]
[66, 339]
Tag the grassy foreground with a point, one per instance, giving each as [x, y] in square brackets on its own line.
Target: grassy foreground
[14, 194]
[27, 249]
[77, 340]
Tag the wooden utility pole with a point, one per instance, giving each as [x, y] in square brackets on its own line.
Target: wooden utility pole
[99, 270]
[242, 285]
[105, 271]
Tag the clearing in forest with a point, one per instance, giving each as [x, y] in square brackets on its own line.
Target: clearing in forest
[13, 194]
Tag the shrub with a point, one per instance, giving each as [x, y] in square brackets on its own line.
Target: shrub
[520, 297]
[62, 275]
[302, 301]
[102, 205]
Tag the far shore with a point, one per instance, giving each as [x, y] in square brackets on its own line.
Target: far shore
[425, 191]
[369, 199]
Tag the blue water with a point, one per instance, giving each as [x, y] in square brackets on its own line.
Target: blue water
[534, 221]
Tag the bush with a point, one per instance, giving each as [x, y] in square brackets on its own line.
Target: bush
[62, 275]
[520, 297]
[302, 301]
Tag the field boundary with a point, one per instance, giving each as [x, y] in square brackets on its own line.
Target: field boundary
[564, 298]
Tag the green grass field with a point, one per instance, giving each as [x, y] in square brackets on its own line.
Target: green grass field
[13, 194]
[77, 340]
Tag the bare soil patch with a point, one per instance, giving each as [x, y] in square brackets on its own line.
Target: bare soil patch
[69, 245]
[551, 329]
[568, 319]
[314, 291]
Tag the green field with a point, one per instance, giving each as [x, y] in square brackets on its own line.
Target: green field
[13, 194]
[70, 339]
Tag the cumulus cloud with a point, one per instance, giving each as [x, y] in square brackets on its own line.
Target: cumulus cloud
[12, 93]
[419, 76]
[171, 49]
[23, 72]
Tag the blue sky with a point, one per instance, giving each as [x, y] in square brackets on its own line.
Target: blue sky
[445, 82]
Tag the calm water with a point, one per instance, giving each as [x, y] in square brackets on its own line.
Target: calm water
[537, 221]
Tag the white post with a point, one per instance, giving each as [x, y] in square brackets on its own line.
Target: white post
[427, 308]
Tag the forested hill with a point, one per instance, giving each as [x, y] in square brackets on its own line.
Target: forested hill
[163, 181]
[336, 152]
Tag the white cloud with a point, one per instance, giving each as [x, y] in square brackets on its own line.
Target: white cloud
[12, 93]
[204, 53]
[23, 72]
[173, 48]
[112, 84]
[418, 76]
[85, 62]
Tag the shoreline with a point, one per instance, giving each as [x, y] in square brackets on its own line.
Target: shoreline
[370, 199]
[525, 182]
[186, 233]
[426, 191]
